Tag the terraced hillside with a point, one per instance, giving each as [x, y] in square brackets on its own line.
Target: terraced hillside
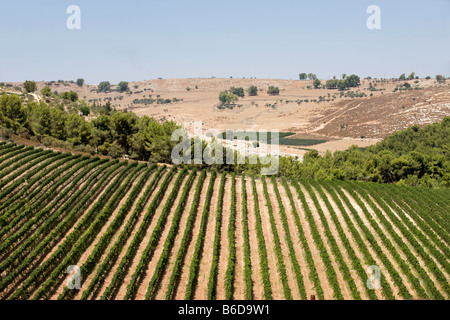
[142, 231]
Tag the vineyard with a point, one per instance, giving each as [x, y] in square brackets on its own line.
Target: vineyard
[145, 231]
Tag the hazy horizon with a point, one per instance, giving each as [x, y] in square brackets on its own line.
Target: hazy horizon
[137, 41]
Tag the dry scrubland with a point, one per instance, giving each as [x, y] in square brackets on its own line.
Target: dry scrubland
[342, 120]
[142, 231]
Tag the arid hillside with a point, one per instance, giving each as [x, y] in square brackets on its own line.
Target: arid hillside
[359, 116]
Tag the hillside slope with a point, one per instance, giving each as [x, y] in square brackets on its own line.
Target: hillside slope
[139, 231]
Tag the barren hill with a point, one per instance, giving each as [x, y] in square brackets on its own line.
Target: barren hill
[360, 115]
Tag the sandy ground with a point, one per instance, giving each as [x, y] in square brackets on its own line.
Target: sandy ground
[184, 276]
[377, 114]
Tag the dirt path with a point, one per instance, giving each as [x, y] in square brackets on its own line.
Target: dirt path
[201, 293]
[94, 201]
[327, 289]
[99, 235]
[360, 283]
[422, 263]
[277, 286]
[298, 246]
[130, 239]
[184, 277]
[160, 294]
[258, 287]
[290, 271]
[224, 246]
[239, 283]
[425, 234]
[49, 203]
[123, 289]
[426, 223]
[340, 278]
[368, 246]
[384, 250]
[160, 247]
[116, 236]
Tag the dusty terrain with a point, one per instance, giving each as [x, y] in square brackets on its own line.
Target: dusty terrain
[342, 119]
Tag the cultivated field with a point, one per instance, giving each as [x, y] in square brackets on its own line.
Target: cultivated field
[140, 231]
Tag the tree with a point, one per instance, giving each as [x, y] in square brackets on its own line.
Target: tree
[402, 77]
[227, 98]
[123, 86]
[46, 91]
[12, 113]
[78, 130]
[342, 85]
[237, 91]
[85, 110]
[312, 76]
[252, 91]
[411, 76]
[344, 76]
[332, 84]
[303, 76]
[440, 78]
[104, 86]
[273, 91]
[116, 150]
[317, 83]
[80, 82]
[30, 86]
[353, 81]
[72, 96]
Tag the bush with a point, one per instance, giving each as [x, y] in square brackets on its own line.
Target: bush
[123, 86]
[104, 86]
[440, 78]
[72, 96]
[317, 83]
[237, 91]
[46, 91]
[80, 82]
[273, 91]
[116, 150]
[252, 91]
[30, 86]
[227, 98]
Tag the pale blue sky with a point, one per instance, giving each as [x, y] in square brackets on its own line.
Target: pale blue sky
[138, 40]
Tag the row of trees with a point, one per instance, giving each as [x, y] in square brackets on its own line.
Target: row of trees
[231, 96]
[309, 76]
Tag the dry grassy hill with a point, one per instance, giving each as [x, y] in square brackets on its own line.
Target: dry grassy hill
[343, 118]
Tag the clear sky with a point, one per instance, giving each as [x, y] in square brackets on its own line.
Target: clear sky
[139, 40]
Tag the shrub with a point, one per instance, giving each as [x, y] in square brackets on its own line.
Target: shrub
[104, 86]
[273, 91]
[317, 83]
[252, 91]
[30, 86]
[123, 86]
[237, 91]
